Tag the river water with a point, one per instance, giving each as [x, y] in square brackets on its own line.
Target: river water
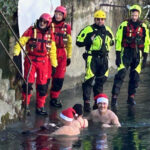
[133, 135]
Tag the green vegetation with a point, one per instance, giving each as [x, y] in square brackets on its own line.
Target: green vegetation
[8, 7]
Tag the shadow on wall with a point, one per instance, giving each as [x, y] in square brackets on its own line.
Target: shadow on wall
[4, 63]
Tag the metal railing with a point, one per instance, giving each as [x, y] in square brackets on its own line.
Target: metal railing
[26, 81]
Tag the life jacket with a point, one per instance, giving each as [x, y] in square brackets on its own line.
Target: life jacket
[133, 36]
[39, 44]
[60, 33]
[99, 45]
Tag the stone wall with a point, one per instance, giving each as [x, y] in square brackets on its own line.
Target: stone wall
[9, 107]
[82, 15]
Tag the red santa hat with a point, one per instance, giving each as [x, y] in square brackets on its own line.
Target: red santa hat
[68, 114]
[101, 98]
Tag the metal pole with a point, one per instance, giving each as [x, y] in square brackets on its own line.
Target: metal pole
[12, 60]
[23, 51]
[111, 5]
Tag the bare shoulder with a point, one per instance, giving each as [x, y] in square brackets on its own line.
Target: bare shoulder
[112, 115]
[110, 112]
[114, 118]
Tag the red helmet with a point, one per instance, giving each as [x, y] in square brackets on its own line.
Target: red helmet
[62, 9]
[46, 17]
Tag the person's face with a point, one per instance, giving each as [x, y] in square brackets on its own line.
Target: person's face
[99, 21]
[43, 23]
[134, 16]
[58, 16]
[102, 107]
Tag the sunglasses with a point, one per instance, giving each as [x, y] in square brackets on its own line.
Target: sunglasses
[98, 19]
[44, 21]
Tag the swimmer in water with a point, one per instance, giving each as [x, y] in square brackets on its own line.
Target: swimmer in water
[103, 115]
[67, 117]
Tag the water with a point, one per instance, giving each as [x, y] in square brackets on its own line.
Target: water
[133, 135]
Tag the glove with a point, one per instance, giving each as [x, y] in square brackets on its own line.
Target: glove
[85, 55]
[89, 38]
[112, 42]
[118, 58]
[16, 60]
[144, 60]
[68, 61]
[53, 70]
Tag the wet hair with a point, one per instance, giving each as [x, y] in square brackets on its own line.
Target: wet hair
[78, 108]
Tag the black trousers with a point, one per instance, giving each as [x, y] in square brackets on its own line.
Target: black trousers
[98, 66]
[131, 59]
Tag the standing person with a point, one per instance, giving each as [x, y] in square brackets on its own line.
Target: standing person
[97, 39]
[106, 117]
[38, 39]
[132, 47]
[62, 33]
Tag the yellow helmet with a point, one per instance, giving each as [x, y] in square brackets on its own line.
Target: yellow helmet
[135, 7]
[100, 14]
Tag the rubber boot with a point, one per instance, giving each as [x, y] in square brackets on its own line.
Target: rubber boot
[55, 103]
[131, 100]
[41, 111]
[87, 107]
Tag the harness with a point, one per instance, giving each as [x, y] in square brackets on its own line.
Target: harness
[35, 39]
[133, 36]
[61, 37]
[48, 46]
[102, 52]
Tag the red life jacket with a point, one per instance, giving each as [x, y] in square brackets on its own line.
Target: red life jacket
[60, 32]
[40, 43]
[132, 35]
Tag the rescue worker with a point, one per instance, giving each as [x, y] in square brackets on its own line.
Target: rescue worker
[40, 46]
[62, 33]
[97, 39]
[132, 47]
